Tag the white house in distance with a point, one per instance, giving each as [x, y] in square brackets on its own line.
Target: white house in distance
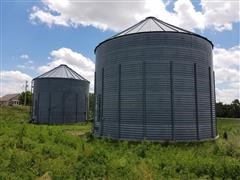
[9, 100]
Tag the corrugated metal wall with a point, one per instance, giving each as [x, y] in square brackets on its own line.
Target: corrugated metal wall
[58, 100]
[156, 86]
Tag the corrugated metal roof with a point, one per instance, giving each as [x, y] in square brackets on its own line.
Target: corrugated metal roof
[151, 24]
[62, 71]
[9, 97]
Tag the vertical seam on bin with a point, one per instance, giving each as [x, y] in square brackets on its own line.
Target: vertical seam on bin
[98, 108]
[77, 107]
[85, 107]
[38, 102]
[95, 100]
[210, 89]
[119, 100]
[95, 83]
[216, 132]
[172, 100]
[49, 107]
[31, 105]
[63, 107]
[87, 99]
[196, 99]
[102, 120]
[95, 104]
[144, 98]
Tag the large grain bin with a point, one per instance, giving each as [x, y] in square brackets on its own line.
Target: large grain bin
[155, 81]
[60, 96]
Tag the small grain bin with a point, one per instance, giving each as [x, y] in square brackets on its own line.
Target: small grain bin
[155, 81]
[60, 96]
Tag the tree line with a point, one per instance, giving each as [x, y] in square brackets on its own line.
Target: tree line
[228, 110]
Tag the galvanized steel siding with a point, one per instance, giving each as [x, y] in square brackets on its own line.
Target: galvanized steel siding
[156, 86]
[131, 101]
[158, 101]
[184, 101]
[58, 100]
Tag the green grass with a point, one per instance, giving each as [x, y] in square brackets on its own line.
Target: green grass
[30, 151]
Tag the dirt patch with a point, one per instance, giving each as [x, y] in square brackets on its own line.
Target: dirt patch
[76, 133]
[46, 176]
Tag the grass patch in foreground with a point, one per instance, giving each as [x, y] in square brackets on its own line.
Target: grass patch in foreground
[28, 151]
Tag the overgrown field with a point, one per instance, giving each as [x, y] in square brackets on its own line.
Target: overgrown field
[29, 151]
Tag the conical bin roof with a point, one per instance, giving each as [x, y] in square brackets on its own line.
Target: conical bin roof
[151, 24]
[62, 71]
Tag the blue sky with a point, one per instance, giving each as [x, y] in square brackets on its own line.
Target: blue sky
[20, 36]
[37, 36]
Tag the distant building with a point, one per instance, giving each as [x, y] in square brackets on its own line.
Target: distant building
[9, 100]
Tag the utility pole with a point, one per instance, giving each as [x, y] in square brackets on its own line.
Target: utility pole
[25, 97]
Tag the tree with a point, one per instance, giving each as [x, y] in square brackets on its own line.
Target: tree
[220, 110]
[235, 108]
[28, 98]
[91, 105]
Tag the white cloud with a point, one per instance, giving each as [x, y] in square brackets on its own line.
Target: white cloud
[228, 58]
[13, 82]
[117, 15]
[81, 64]
[187, 15]
[47, 17]
[24, 56]
[227, 70]
[226, 75]
[97, 14]
[227, 95]
[221, 14]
